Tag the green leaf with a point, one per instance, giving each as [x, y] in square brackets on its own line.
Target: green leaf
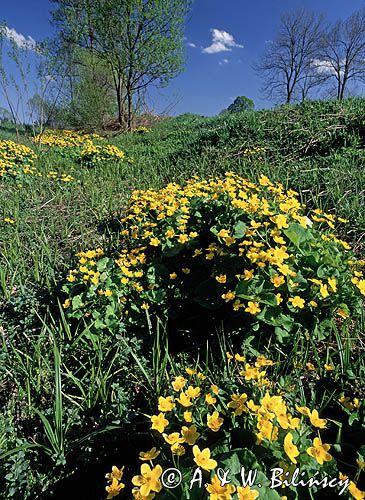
[297, 234]
[239, 230]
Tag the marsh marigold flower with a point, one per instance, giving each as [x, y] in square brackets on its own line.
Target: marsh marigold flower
[218, 492]
[245, 493]
[114, 489]
[165, 404]
[214, 422]
[319, 451]
[190, 434]
[203, 460]
[149, 479]
[150, 454]
[290, 449]
[159, 422]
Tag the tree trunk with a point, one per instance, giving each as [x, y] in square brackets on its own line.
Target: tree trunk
[130, 107]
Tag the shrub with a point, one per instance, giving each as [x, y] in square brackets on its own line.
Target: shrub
[237, 250]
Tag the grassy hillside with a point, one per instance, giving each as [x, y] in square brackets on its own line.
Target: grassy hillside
[74, 399]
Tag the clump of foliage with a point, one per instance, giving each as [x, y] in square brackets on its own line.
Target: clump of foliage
[228, 246]
[92, 154]
[16, 159]
[241, 417]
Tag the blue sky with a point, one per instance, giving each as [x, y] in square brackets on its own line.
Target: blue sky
[211, 80]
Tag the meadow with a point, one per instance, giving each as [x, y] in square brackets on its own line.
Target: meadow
[120, 348]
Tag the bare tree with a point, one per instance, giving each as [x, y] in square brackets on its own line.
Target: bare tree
[286, 65]
[342, 53]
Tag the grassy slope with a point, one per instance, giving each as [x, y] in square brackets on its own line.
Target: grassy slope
[316, 148]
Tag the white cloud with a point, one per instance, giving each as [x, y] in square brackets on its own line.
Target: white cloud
[326, 67]
[223, 61]
[192, 45]
[20, 40]
[221, 42]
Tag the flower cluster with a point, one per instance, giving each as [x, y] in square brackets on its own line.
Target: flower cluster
[65, 139]
[16, 159]
[254, 153]
[92, 154]
[207, 423]
[53, 174]
[141, 130]
[229, 245]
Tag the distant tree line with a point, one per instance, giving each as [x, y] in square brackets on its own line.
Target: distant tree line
[309, 55]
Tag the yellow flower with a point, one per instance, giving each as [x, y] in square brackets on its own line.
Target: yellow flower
[228, 296]
[303, 410]
[173, 276]
[183, 238]
[154, 242]
[316, 421]
[191, 371]
[185, 270]
[210, 400]
[297, 302]
[159, 422]
[310, 367]
[203, 460]
[342, 313]
[222, 278]
[361, 286]
[218, 492]
[108, 293]
[114, 489]
[115, 474]
[277, 280]
[165, 404]
[248, 274]
[177, 449]
[238, 403]
[290, 449]
[193, 392]
[149, 455]
[9, 220]
[215, 389]
[71, 278]
[184, 400]
[188, 416]
[324, 291]
[245, 493]
[190, 434]
[149, 480]
[279, 299]
[329, 368]
[239, 358]
[66, 304]
[333, 284]
[214, 421]
[173, 438]
[281, 221]
[253, 308]
[319, 451]
[179, 383]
